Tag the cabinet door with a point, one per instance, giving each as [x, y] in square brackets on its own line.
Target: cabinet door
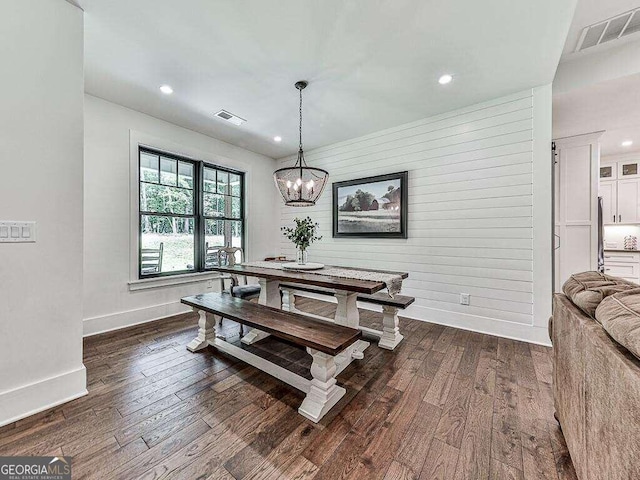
[628, 169]
[628, 201]
[608, 171]
[608, 192]
[621, 257]
[625, 270]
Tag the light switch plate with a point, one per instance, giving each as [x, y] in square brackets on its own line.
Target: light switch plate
[17, 232]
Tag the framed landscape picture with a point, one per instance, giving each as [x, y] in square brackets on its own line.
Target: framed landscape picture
[374, 207]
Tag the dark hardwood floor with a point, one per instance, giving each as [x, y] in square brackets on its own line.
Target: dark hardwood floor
[447, 404]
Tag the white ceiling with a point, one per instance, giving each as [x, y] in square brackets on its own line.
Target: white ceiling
[589, 12]
[613, 106]
[372, 64]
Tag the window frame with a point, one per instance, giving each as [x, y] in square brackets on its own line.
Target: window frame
[199, 218]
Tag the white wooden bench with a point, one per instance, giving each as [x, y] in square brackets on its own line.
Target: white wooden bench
[331, 346]
[389, 337]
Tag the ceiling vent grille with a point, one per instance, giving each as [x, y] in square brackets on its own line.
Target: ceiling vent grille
[611, 29]
[230, 117]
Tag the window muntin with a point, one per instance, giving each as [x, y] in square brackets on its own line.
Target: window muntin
[186, 206]
[222, 208]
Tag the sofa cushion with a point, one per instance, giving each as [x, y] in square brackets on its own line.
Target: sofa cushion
[587, 289]
[619, 315]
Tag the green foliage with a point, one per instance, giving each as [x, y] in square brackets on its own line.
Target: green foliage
[304, 233]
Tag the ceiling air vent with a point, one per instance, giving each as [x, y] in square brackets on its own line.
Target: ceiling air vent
[230, 117]
[611, 29]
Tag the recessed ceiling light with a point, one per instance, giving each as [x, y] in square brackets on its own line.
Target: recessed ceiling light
[166, 89]
[277, 138]
[444, 79]
[627, 143]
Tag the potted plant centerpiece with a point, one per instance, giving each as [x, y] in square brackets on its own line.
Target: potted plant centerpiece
[303, 235]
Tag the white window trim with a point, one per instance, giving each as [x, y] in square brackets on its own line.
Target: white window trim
[140, 139]
[156, 282]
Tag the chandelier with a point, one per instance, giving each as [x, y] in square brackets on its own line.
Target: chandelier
[300, 185]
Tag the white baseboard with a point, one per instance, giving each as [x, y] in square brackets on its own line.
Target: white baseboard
[474, 323]
[129, 318]
[35, 397]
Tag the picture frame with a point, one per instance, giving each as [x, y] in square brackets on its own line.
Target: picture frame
[371, 207]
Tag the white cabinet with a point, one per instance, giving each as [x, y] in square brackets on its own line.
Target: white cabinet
[628, 169]
[623, 264]
[620, 191]
[620, 169]
[628, 271]
[628, 201]
[618, 256]
[609, 193]
[608, 171]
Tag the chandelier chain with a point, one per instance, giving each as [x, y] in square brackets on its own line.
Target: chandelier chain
[300, 145]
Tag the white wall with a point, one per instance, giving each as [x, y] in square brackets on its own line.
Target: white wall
[41, 95]
[479, 181]
[591, 68]
[614, 235]
[110, 131]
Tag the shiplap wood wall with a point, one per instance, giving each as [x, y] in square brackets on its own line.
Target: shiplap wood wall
[470, 213]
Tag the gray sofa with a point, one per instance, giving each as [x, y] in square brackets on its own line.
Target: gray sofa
[595, 330]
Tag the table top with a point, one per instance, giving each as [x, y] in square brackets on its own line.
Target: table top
[317, 278]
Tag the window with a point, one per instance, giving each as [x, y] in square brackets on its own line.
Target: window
[187, 208]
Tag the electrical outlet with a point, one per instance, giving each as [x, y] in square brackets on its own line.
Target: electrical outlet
[465, 298]
[210, 284]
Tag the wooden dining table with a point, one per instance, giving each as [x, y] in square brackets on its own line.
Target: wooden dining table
[345, 290]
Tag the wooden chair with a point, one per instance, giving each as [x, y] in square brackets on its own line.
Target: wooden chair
[239, 287]
[151, 260]
[211, 255]
[226, 256]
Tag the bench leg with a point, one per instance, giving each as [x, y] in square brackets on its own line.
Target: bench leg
[391, 336]
[206, 332]
[270, 296]
[323, 392]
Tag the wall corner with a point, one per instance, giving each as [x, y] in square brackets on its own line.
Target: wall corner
[542, 205]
